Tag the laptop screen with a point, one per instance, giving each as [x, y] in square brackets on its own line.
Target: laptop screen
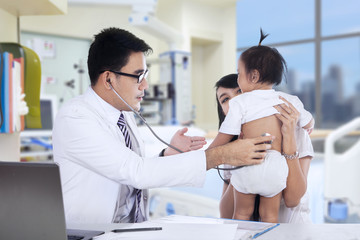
[31, 201]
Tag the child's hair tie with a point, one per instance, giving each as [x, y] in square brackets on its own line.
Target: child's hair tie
[262, 36]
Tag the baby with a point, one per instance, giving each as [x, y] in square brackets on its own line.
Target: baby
[253, 113]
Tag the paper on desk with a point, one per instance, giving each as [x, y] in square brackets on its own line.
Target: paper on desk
[245, 229]
[176, 231]
[239, 233]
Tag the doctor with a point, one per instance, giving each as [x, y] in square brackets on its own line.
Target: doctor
[104, 173]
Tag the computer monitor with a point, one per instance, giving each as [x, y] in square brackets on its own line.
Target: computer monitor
[48, 109]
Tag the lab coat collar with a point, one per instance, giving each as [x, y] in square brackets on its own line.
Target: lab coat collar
[112, 115]
[108, 112]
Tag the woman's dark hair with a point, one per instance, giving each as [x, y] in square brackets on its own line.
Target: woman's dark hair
[268, 61]
[228, 81]
[111, 49]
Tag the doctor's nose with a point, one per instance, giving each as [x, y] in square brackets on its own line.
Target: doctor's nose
[144, 84]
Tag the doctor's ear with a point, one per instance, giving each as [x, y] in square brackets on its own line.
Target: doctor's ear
[108, 83]
[105, 80]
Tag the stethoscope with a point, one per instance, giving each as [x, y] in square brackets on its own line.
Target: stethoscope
[167, 144]
[142, 119]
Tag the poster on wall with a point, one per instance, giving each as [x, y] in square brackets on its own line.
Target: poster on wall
[44, 48]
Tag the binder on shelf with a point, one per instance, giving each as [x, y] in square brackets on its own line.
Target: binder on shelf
[11, 95]
[1, 87]
[17, 85]
[32, 88]
[5, 94]
[16, 94]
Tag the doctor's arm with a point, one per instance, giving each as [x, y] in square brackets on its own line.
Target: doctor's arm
[240, 152]
[296, 184]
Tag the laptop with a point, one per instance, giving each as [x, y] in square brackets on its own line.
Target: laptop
[31, 203]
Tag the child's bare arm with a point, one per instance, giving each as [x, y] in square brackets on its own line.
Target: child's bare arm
[220, 139]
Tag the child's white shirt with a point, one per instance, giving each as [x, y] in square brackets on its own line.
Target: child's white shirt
[258, 104]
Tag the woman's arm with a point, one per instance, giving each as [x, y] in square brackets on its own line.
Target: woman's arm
[296, 184]
[298, 169]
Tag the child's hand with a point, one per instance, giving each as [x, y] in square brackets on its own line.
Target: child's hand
[309, 130]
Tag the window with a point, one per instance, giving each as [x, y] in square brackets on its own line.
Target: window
[320, 41]
[340, 81]
[340, 17]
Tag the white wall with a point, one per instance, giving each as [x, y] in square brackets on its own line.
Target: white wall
[208, 33]
[8, 27]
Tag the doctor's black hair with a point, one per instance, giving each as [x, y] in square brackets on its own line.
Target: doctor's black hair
[266, 60]
[111, 49]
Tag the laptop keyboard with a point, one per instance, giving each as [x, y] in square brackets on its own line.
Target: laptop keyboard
[74, 237]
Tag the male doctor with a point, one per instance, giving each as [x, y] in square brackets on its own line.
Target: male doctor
[104, 173]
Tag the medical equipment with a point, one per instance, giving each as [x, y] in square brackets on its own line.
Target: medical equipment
[341, 193]
[175, 68]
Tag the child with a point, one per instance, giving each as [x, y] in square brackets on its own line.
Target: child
[252, 113]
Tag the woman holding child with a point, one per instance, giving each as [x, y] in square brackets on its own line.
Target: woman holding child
[261, 109]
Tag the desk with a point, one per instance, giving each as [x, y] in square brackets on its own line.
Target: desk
[313, 232]
[282, 232]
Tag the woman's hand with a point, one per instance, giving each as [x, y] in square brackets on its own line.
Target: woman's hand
[288, 116]
[184, 143]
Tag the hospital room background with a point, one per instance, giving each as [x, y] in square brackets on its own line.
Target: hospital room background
[195, 43]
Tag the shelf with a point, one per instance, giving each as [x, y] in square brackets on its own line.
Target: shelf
[36, 133]
[10, 10]
[34, 7]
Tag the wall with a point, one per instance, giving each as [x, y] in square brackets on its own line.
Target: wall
[60, 68]
[8, 26]
[209, 34]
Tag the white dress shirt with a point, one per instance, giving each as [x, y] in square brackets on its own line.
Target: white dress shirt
[99, 173]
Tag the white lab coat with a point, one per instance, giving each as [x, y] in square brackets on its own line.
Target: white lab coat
[96, 167]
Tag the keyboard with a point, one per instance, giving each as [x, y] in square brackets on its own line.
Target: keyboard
[77, 234]
[74, 237]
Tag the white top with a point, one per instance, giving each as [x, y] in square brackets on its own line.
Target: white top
[96, 167]
[258, 104]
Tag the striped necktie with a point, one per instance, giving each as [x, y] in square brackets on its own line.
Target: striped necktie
[123, 128]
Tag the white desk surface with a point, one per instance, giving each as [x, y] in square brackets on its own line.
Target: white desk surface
[282, 232]
[313, 232]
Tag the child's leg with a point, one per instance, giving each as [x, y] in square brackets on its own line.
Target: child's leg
[243, 205]
[269, 208]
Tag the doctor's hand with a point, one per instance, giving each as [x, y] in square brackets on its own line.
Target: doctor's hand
[184, 143]
[241, 152]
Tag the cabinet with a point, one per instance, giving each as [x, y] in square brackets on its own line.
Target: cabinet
[9, 28]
